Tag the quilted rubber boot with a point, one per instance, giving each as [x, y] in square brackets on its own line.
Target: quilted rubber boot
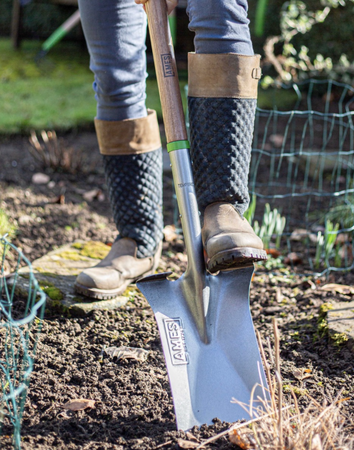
[132, 159]
[222, 101]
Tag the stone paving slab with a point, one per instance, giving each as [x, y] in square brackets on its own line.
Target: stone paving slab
[56, 273]
[341, 323]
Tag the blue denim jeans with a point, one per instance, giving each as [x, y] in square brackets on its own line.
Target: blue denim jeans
[115, 32]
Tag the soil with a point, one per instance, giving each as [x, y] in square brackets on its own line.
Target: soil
[133, 406]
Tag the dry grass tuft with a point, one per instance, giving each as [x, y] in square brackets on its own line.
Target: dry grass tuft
[280, 425]
[50, 153]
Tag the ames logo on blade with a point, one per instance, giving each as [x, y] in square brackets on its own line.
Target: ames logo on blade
[176, 342]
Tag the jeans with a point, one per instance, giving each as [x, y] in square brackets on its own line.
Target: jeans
[115, 32]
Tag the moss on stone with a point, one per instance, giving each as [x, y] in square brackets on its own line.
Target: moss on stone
[72, 255]
[45, 273]
[77, 245]
[56, 306]
[52, 291]
[95, 250]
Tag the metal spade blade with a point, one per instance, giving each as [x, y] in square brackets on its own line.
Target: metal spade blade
[206, 376]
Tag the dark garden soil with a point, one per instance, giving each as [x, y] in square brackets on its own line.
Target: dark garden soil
[133, 406]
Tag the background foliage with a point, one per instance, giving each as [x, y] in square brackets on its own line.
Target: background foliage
[333, 37]
[308, 39]
[39, 19]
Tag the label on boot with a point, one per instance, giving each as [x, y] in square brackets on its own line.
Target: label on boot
[176, 341]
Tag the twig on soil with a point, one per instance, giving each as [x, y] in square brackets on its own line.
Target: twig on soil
[163, 445]
[278, 376]
[265, 362]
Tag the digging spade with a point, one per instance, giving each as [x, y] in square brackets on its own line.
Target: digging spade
[204, 320]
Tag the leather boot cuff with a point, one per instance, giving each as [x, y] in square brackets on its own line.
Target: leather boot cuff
[128, 137]
[226, 75]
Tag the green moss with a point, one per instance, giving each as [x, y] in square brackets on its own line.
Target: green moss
[339, 339]
[78, 245]
[130, 292]
[296, 336]
[49, 289]
[287, 388]
[95, 250]
[322, 324]
[55, 307]
[43, 272]
[322, 328]
[324, 309]
[72, 255]
[54, 293]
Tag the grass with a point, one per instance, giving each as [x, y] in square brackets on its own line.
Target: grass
[54, 92]
[46, 104]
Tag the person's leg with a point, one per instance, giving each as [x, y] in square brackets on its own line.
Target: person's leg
[115, 33]
[128, 137]
[223, 77]
[220, 26]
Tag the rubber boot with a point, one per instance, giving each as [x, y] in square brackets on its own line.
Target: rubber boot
[222, 98]
[132, 158]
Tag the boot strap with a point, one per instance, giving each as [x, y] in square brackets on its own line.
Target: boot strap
[226, 75]
[128, 137]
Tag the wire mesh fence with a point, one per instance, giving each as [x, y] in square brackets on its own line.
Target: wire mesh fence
[301, 175]
[20, 325]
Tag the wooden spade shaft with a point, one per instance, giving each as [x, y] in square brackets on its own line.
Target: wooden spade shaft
[166, 71]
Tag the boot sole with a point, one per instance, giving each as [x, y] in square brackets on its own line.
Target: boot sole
[107, 294]
[235, 258]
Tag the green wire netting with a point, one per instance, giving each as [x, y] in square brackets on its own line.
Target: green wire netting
[301, 176]
[21, 316]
